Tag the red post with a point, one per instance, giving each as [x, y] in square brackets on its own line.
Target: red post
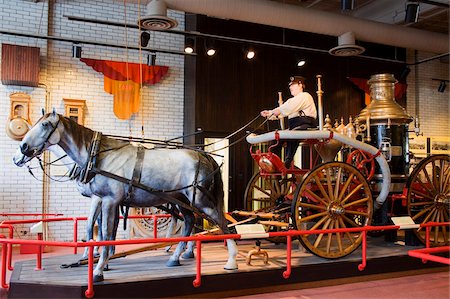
[363, 264]
[39, 254]
[4, 254]
[11, 236]
[89, 293]
[287, 273]
[155, 227]
[75, 234]
[198, 278]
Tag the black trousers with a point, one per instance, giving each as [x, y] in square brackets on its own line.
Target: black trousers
[297, 123]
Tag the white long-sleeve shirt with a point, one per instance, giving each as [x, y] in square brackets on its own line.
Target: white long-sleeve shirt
[301, 102]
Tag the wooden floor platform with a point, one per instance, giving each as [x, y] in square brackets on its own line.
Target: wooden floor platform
[145, 275]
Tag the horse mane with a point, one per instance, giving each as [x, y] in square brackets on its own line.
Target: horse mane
[81, 134]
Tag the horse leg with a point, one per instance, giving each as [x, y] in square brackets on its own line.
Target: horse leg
[189, 253]
[188, 225]
[171, 229]
[109, 214]
[94, 213]
[231, 244]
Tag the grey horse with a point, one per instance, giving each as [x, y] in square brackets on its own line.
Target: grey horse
[185, 177]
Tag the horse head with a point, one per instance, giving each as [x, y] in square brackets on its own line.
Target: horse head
[42, 135]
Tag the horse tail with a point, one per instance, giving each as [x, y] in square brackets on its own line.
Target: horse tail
[217, 192]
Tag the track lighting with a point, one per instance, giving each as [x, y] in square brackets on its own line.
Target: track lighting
[301, 62]
[347, 4]
[189, 45]
[210, 47]
[145, 38]
[76, 51]
[151, 59]
[442, 86]
[412, 12]
[249, 53]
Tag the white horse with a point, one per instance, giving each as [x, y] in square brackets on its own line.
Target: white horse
[186, 178]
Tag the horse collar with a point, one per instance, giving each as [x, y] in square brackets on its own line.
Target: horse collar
[86, 174]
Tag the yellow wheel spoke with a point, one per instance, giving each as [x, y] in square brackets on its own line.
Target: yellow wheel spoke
[319, 223]
[427, 176]
[307, 218]
[338, 236]
[421, 203]
[322, 190]
[307, 205]
[338, 183]
[365, 214]
[349, 236]
[329, 184]
[349, 180]
[351, 222]
[316, 197]
[320, 236]
[356, 202]
[330, 236]
[415, 191]
[357, 188]
[262, 190]
[422, 212]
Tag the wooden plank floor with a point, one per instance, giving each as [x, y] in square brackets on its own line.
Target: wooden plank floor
[150, 267]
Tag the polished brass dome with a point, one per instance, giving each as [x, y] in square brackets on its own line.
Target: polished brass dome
[383, 107]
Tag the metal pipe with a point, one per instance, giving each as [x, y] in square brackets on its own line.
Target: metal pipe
[286, 134]
[310, 20]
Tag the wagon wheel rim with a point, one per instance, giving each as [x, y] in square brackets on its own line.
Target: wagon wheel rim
[322, 203]
[429, 198]
[266, 192]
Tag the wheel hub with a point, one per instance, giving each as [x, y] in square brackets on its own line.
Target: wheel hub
[442, 199]
[335, 209]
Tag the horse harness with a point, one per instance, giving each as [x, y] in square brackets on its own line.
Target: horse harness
[91, 169]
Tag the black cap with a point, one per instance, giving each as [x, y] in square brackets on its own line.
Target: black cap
[297, 80]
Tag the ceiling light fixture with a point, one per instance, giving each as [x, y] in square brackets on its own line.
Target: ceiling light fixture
[76, 51]
[189, 45]
[209, 47]
[145, 38]
[347, 4]
[412, 12]
[151, 59]
[301, 62]
[249, 53]
[442, 86]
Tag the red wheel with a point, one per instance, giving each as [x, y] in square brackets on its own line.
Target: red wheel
[362, 161]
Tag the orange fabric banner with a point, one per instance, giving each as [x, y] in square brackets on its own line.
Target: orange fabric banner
[123, 80]
[126, 96]
[123, 71]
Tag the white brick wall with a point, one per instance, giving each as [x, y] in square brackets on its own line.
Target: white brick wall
[66, 77]
[434, 106]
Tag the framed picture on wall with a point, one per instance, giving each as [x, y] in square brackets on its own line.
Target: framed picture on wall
[418, 146]
[440, 145]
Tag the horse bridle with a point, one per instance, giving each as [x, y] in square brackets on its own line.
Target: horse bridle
[41, 149]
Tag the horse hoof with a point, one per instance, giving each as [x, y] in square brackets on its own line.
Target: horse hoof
[173, 263]
[231, 266]
[98, 278]
[188, 255]
[106, 268]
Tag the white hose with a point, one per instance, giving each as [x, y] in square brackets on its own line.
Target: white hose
[288, 134]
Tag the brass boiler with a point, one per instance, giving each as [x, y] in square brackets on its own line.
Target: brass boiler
[386, 127]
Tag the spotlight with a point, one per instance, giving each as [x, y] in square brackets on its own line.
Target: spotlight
[145, 38]
[151, 59]
[301, 62]
[347, 4]
[412, 12]
[405, 73]
[250, 53]
[189, 48]
[76, 51]
[442, 86]
[209, 46]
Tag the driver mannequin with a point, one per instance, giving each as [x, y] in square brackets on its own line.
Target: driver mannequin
[300, 110]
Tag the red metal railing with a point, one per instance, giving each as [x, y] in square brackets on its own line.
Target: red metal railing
[198, 239]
